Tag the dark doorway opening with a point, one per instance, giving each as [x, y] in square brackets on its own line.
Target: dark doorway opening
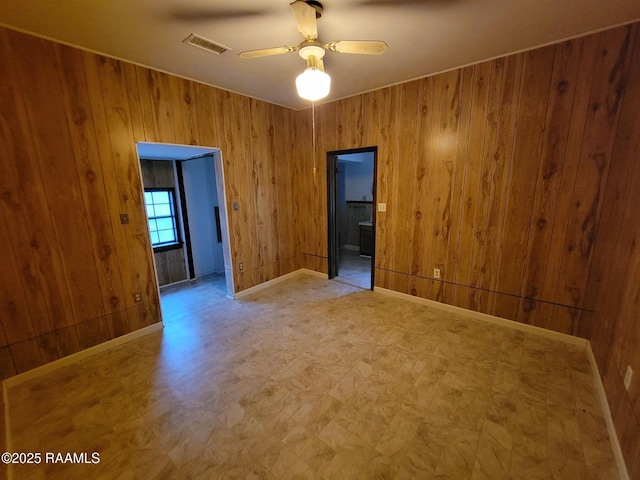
[351, 199]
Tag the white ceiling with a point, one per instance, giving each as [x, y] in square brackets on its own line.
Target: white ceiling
[424, 36]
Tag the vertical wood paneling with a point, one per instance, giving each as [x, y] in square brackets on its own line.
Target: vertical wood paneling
[613, 286]
[459, 207]
[552, 167]
[385, 185]
[28, 178]
[594, 162]
[442, 196]
[264, 188]
[500, 186]
[471, 147]
[501, 166]
[482, 267]
[25, 309]
[89, 171]
[524, 154]
[416, 244]
[428, 150]
[128, 178]
[135, 103]
[109, 173]
[69, 125]
[286, 222]
[564, 204]
[403, 210]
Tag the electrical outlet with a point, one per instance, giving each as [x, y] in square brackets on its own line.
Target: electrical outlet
[382, 207]
[436, 273]
[137, 297]
[241, 266]
[627, 377]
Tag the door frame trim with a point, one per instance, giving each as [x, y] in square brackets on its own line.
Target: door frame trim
[332, 200]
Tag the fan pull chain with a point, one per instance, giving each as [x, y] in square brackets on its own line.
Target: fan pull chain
[313, 136]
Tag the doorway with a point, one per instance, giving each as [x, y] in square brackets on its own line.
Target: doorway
[351, 191]
[199, 246]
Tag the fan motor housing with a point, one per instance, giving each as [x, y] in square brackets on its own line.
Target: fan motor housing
[311, 50]
[317, 6]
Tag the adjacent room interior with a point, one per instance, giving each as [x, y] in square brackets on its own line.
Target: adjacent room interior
[495, 334]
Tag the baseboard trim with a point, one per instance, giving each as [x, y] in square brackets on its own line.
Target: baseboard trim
[275, 281]
[581, 342]
[76, 357]
[611, 429]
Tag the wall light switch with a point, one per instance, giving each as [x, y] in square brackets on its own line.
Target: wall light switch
[382, 207]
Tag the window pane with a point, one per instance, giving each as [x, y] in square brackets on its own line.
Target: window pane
[166, 236]
[164, 223]
[163, 210]
[160, 208]
[161, 197]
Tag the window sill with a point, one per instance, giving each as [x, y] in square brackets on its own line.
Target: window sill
[164, 248]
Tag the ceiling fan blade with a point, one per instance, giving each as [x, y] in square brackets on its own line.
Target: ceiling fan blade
[265, 52]
[364, 47]
[306, 17]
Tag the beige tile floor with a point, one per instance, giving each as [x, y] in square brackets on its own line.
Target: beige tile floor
[354, 269]
[317, 379]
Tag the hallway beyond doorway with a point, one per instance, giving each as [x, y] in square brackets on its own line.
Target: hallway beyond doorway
[354, 269]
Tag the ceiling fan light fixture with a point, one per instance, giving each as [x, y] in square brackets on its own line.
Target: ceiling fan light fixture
[313, 84]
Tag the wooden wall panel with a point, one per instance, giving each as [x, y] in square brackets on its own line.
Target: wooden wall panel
[471, 150]
[494, 173]
[491, 180]
[520, 153]
[613, 288]
[541, 182]
[462, 204]
[552, 169]
[109, 171]
[594, 162]
[69, 125]
[547, 316]
[420, 209]
[89, 171]
[401, 212]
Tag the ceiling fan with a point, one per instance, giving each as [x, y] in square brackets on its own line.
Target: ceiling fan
[314, 83]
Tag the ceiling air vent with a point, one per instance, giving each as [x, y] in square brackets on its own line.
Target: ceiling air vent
[203, 43]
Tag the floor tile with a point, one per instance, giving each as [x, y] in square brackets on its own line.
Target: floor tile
[312, 378]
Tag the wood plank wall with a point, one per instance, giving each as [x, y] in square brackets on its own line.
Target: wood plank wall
[519, 179]
[613, 289]
[69, 122]
[170, 264]
[494, 173]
